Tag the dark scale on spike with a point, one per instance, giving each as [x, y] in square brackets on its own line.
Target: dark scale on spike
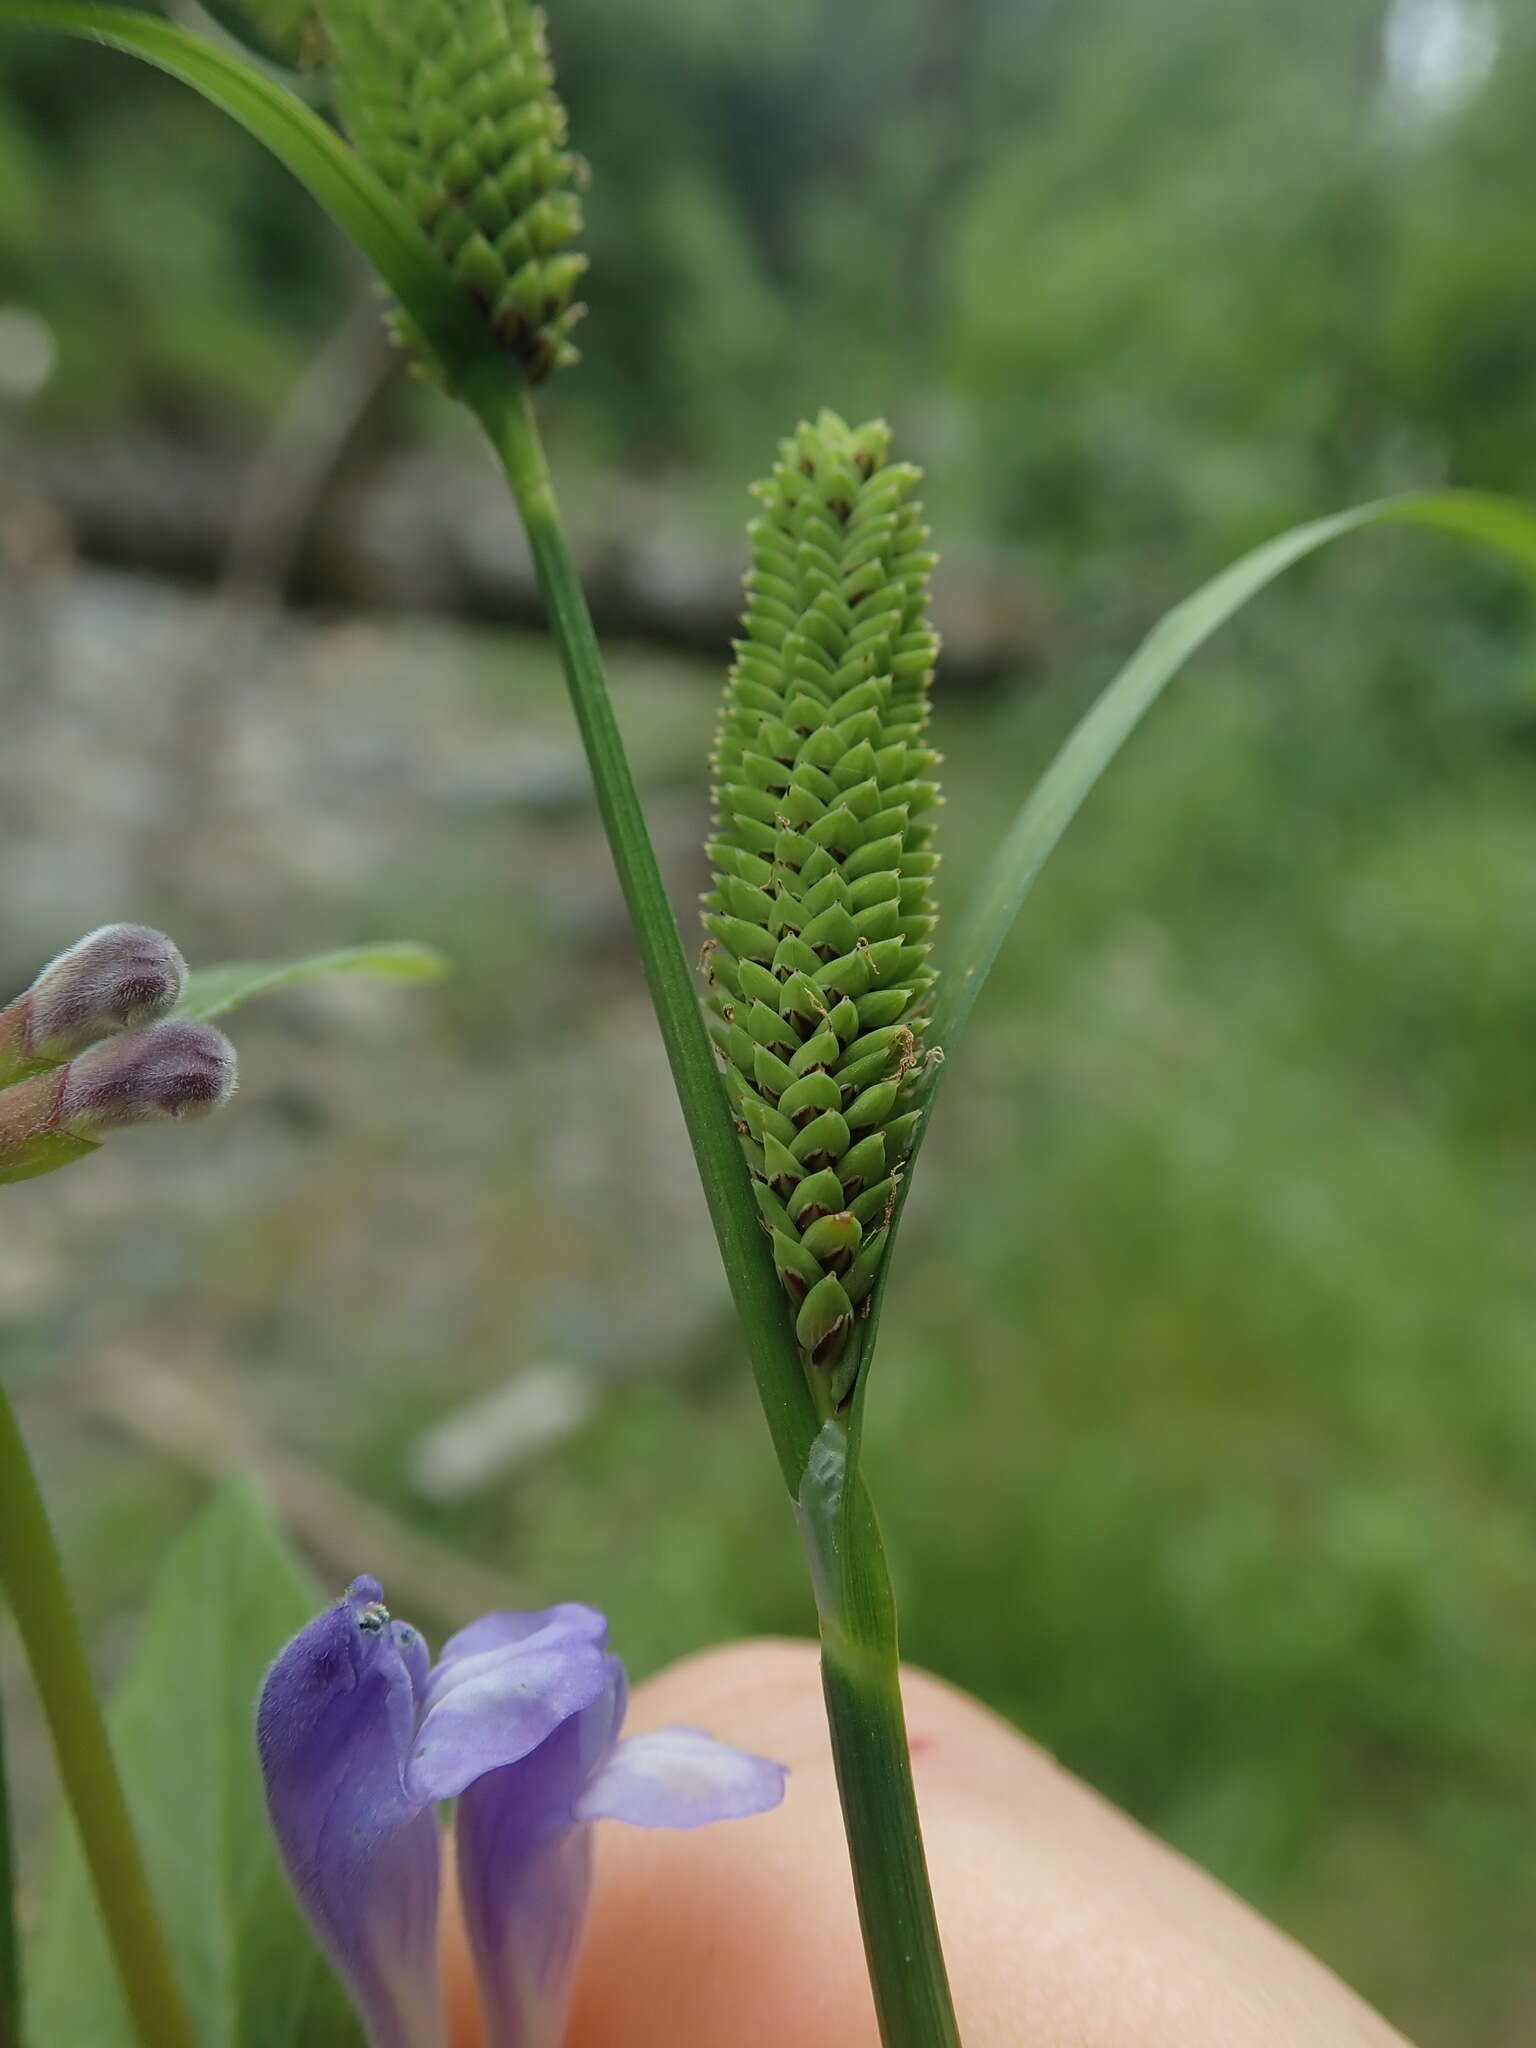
[821, 910]
[453, 104]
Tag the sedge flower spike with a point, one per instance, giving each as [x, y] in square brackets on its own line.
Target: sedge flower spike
[453, 104]
[360, 1736]
[821, 909]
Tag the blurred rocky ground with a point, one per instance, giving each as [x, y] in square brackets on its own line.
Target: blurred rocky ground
[263, 785]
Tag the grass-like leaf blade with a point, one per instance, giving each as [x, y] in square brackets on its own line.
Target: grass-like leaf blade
[1503, 524]
[332, 172]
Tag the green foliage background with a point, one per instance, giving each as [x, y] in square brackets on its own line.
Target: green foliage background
[1205, 1429]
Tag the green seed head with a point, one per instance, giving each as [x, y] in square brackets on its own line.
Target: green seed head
[452, 103]
[821, 910]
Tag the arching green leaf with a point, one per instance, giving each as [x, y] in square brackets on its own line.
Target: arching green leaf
[213, 991]
[1503, 524]
[444, 317]
[1500, 523]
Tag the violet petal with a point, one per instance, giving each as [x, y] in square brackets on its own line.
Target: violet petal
[501, 1688]
[567, 1620]
[334, 1728]
[525, 1872]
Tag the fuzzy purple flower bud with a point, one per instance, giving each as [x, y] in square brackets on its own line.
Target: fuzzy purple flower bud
[172, 1072]
[114, 979]
[519, 1721]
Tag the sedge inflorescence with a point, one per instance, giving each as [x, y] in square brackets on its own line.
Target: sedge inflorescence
[453, 104]
[821, 910]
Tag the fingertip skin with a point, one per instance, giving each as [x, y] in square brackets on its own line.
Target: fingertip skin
[1066, 1926]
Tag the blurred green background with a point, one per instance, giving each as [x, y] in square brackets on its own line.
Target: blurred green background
[1205, 1427]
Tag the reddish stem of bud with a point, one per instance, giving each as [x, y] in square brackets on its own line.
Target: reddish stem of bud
[27, 1108]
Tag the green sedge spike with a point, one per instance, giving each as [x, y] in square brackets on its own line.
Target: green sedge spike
[453, 104]
[821, 911]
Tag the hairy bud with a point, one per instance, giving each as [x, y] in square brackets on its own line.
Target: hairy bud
[173, 1072]
[168, 1073]
[820, 914]
[452, 103]
[113, 979]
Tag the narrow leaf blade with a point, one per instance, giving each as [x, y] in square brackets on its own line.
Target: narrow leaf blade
[331, 171]
[1503, 524]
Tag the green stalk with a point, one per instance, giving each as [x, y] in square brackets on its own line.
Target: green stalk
[10, 1956]
[890, 1873]
[860, 1681]
[858, 1618]
[505, 409]
[32, 1576]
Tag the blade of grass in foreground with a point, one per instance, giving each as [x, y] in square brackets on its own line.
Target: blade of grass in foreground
[32, 1576]
[10, 1965]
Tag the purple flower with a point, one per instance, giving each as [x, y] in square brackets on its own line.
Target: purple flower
[360, 1735]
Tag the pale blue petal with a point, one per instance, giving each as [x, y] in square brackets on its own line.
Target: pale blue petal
[680, 1778]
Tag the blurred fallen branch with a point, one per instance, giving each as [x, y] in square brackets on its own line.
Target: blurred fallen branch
[201, 1423]
[427, 528]
[287, 482]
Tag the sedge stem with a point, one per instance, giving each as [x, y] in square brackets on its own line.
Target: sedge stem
[906, 1962]
[907, 1974]
[32, 1575]
[506, 412]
